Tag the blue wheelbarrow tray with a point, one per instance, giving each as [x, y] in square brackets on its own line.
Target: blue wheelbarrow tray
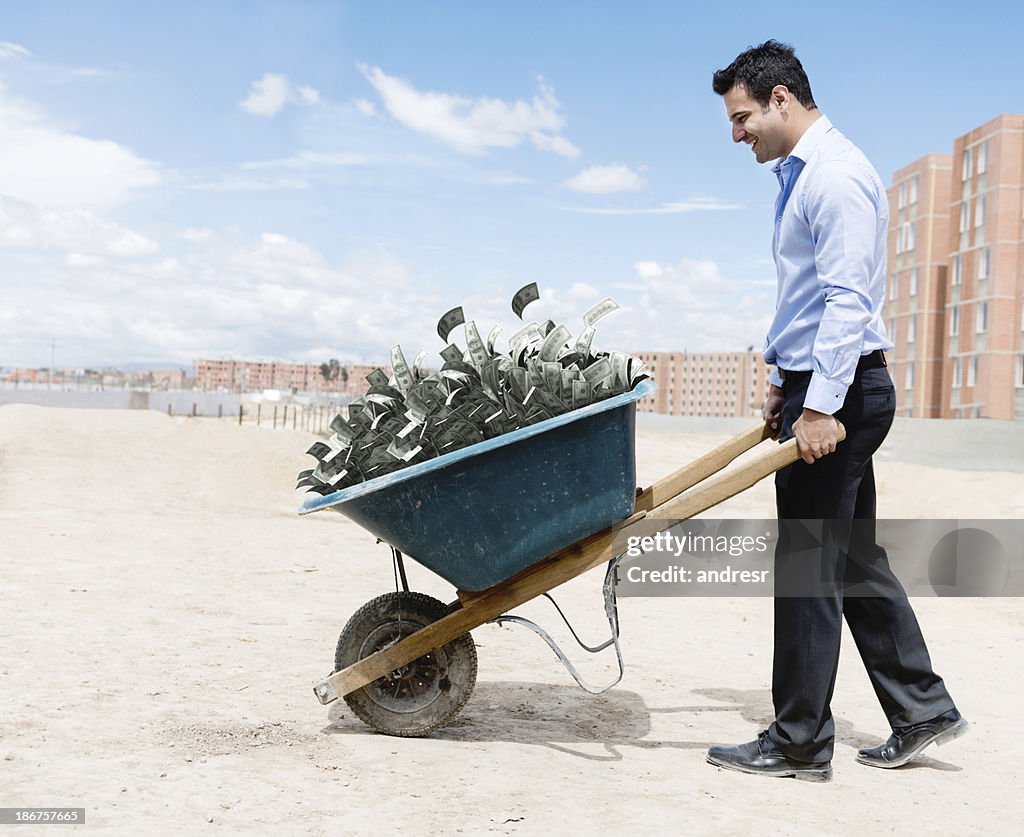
[479, 515]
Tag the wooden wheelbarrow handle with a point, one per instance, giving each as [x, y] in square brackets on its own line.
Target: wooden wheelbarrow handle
[721, 487]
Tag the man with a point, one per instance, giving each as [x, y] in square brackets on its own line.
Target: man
[826, 342]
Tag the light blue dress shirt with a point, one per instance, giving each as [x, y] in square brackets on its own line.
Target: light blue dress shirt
[831, 220]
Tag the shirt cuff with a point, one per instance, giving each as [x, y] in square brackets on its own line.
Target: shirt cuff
[824, 395]
[774, 378]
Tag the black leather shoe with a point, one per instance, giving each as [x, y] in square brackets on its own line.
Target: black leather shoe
[906, 742]
[762, 756]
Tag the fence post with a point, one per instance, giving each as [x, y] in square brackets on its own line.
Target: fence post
[193, 409]
[295, 410]
[168, 408]
[275, 417]
[259, 411]
[240, 408]
[220, 411]
[284, 418]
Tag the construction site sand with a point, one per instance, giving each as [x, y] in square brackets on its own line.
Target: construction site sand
[165, 613]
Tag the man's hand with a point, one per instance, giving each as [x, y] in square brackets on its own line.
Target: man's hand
[772, 411]
[817, 434]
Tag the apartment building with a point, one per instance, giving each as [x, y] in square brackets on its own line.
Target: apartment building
[985, 307]
[706, 384]
[256, 375]
[918, 247]
[955, 309]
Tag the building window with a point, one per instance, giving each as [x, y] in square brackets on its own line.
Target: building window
[954, 321]
[902, 201]
[958, 269]
[909, 383]
[892, 329]
[972, 370]
[913, 189]
[965, 171]
[912, 329]
[983, 263]
[915, 275]
[908, 237]
[958, 373]
[965, 216]
[894, 284]
[983, 157]
[981, 319]
[1020, 371]
[979, 211]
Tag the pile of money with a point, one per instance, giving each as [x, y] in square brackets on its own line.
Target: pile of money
[478, 393]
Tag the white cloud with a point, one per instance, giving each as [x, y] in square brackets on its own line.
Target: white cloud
[308, 159]
[82, 260]
[688, 305]
[474, 125]
[248, 184]
[43, 164]
[90, 72]
[308, 95]
[672, 208]
[80, 232]
[195, 234]
[273, 297]
[366, 107]
[607, 180]
[269, 94]
[11, 50]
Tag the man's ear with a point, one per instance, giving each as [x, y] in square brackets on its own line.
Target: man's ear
[781, 97]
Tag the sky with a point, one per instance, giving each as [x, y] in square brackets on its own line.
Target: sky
[307, 180]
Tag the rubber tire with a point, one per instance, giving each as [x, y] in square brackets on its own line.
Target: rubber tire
[460, 673]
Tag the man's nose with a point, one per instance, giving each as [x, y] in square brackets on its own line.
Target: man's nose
[738, 134]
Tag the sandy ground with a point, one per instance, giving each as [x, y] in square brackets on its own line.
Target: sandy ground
[165, 613]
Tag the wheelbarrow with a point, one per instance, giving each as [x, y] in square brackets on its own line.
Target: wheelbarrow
[506, 521]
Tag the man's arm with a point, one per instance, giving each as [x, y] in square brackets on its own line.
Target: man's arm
[842, 206]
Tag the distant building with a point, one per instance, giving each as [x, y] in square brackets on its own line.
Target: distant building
[955, 306]
[722, 384]
[257, 375]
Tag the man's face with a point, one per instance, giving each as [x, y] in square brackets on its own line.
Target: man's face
[763, 130]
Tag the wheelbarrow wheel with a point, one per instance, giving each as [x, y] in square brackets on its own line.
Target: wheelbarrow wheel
[422, 696]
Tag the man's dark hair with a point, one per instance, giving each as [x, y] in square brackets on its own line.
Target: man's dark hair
[760, 68]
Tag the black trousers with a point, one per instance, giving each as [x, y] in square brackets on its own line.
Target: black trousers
[835, 549]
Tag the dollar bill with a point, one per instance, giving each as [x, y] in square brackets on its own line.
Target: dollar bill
[477, 350]
[342, 429]
[403, 375]
[583, 342]
[552, 372]
[378, 377]
[492, 335]
[530, 331]
[599, 371]
[547, 328]
[319, 450]
[523, 297]
[601, 309]
[451, 352]
[450, 320]
[620, 370]
[417, 372]
[554, 342]
[582, 394]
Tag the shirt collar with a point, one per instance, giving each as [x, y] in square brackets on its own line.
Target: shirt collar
[811, 139]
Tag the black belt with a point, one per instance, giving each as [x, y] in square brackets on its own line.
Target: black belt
[872, 360]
